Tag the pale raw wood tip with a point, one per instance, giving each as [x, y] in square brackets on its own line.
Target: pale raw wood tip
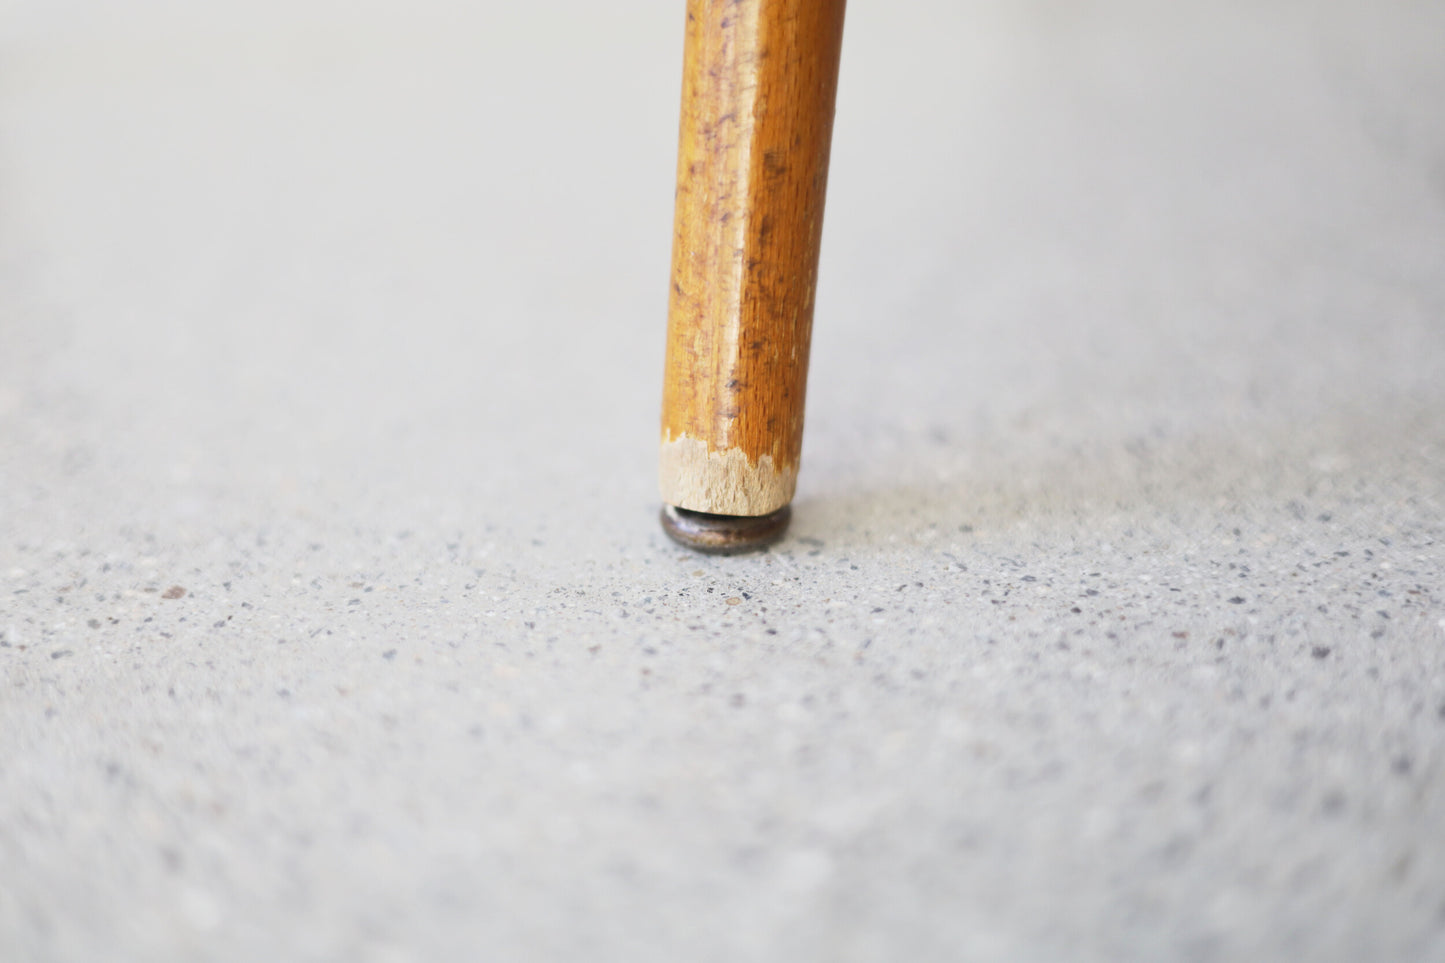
[722, 482]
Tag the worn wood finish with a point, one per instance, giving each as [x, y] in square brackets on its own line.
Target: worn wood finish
[759, 80]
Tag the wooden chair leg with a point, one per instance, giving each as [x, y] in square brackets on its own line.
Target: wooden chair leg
[759, 83]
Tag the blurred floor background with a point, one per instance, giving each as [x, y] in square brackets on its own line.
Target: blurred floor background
[335, 621]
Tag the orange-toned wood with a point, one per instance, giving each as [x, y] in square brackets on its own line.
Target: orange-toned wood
[759, 80]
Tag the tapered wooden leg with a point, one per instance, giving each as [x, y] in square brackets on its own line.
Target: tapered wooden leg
[759, 82]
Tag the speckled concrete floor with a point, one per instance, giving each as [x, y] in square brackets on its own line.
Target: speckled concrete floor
[335, 623]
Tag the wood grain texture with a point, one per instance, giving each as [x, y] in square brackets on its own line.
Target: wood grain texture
[759, 82]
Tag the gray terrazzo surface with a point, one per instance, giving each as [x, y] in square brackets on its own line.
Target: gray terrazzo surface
[336, 624]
